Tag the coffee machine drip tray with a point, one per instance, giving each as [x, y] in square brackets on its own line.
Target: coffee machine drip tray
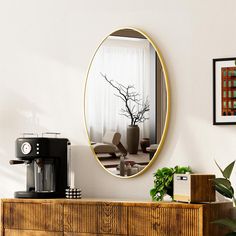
[32, 194]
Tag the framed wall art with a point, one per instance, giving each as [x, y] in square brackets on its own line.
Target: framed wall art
[224, 91]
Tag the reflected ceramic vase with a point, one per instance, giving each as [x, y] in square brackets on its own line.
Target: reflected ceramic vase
[144, 143]
[132, 139]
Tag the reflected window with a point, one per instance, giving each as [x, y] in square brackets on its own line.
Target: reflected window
[224, 104]
[234, 104]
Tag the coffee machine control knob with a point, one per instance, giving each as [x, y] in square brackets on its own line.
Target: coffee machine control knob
[26, 148]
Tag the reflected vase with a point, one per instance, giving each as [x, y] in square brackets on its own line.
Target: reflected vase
[144, 143]
[133, 139]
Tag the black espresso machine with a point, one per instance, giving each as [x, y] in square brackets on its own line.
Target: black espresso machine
[46, 160]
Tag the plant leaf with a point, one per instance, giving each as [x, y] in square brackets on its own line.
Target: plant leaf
[153, 192]
[219, 168]
[226, 222]
[224, 190]
[228, 170]
[222, 181]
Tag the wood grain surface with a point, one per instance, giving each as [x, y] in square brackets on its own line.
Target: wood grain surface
[13, 232]
[21, 217]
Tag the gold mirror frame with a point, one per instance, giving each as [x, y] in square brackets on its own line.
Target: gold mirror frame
[163, 137]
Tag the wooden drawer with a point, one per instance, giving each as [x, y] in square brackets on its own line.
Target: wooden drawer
[33, 216]
[164, 221]
[14, 232]
[103, 218]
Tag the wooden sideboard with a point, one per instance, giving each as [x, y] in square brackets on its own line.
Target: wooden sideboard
[84, 217]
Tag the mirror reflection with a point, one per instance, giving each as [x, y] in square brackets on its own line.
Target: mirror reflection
[126, 102]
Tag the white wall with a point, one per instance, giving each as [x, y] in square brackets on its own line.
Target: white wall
[45, 50]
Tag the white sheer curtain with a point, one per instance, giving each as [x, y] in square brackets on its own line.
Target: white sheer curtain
[126, 61]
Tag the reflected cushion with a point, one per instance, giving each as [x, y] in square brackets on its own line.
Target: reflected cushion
[111, 137]
[104, 148]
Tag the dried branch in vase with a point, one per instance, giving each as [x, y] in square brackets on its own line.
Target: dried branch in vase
[135, 108]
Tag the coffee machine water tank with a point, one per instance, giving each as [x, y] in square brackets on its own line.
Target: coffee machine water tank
[46, 160]
[44, 175]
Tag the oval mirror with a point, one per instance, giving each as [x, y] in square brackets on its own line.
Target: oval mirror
[126, 102]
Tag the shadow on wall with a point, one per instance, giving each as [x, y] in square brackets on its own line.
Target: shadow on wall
[83, 167]
[17, 115]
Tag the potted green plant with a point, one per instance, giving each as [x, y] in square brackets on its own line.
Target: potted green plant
[163, 181]
[223, 186]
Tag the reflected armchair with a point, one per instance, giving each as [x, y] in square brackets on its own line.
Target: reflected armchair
[110, 145]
